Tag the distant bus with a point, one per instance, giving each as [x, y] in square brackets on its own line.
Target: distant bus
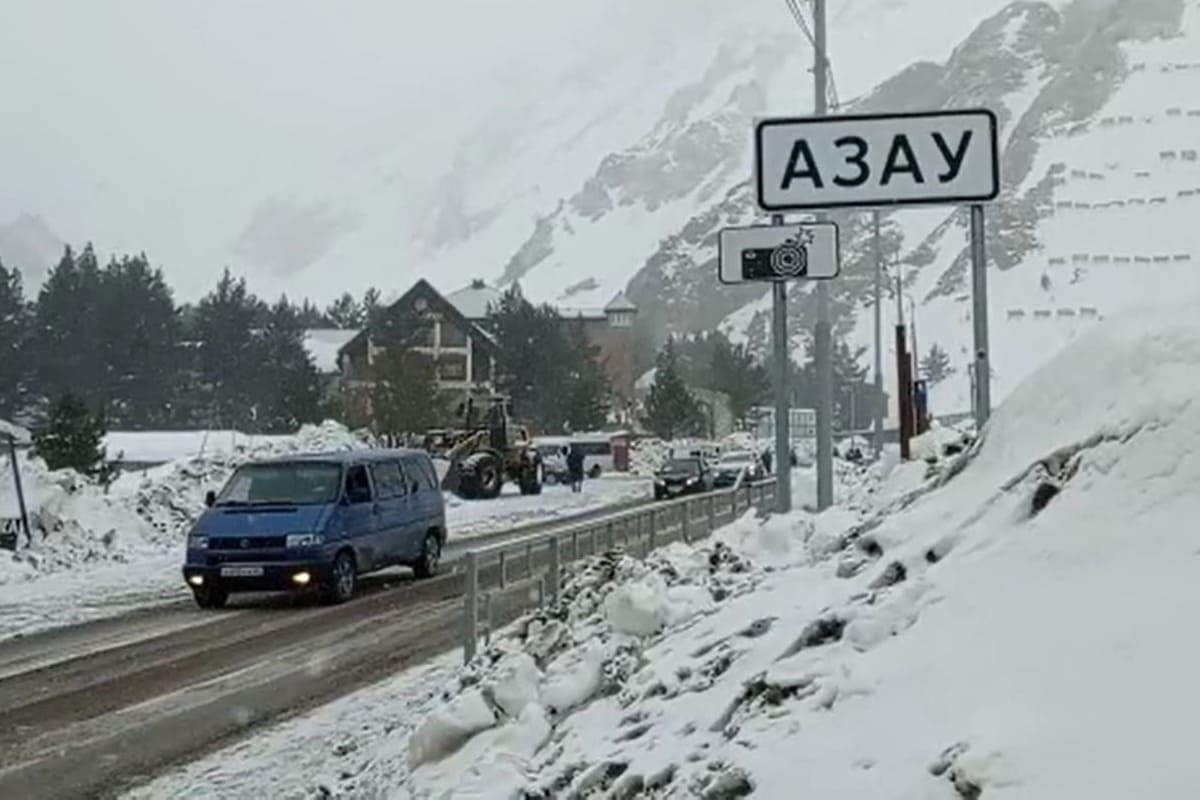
[602, 452]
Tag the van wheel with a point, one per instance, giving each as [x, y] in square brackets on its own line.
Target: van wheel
[343, 578]
[211, 597]
[431, 556]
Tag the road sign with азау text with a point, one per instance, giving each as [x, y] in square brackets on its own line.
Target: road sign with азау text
[871, 160]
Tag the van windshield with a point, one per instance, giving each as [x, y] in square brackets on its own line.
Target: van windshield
[289, 483]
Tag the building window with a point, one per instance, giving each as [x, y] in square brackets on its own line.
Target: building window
[621, 319]
[453, 336]
[452, 367]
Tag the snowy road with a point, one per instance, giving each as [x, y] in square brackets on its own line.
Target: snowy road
[94, 706]
[114, 589]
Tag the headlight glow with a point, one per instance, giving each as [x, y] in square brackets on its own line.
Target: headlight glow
[304, 540]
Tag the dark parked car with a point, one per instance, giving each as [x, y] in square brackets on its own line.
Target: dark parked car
[682, 476]
[733, 464]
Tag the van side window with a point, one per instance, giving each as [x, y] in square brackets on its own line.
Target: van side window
[430, 474]
[358, 485]
[388, 482]
[419, 475]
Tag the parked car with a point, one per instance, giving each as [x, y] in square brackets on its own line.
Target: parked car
[733, 464]
[316, 522]
[682, 476]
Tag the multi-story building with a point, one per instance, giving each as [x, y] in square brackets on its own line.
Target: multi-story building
[465, 352]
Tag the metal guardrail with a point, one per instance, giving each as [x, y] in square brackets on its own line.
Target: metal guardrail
[516, 572]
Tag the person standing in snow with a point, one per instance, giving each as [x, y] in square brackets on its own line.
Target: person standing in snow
[575, 468]
[766, 461]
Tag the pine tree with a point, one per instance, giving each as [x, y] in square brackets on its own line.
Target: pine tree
[229, 360]
[372, 306]
[73, 437]
[138, 332]
[403, 395]
[313, 317]
[738, 375]
[587, 393]
[66, 352]
[533, 354]
[936, 365]
[14, 327]
[287, 392]
[671, 411]
[345, 312]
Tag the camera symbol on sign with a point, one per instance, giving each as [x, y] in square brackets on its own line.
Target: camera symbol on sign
[787, 260]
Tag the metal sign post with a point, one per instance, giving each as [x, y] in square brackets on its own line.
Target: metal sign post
[783, 393]
[777, 254]
[24, 518]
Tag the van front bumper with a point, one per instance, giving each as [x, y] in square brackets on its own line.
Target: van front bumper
[258, 576]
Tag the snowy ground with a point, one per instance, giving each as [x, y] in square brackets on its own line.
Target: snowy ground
[1013, 629]
[100, 555]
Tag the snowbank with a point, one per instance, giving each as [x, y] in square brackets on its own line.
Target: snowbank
[989, 638]
[15, 432]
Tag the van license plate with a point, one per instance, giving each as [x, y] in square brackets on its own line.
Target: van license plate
[241, 572]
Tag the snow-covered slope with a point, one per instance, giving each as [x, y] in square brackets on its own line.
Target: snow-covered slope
[1113, 232]
[992, 647]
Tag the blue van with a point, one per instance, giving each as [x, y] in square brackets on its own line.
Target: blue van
[317, 522]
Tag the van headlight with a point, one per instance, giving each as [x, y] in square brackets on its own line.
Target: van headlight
[304, 540]
[197, 543]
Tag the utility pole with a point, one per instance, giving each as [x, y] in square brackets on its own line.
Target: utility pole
[912, 313]
[979, 316]
[783, 394]
[823, 335]
[878, 409]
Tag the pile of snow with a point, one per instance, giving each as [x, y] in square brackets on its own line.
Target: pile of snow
[1008, 627]
[170, 497]
[14, 432]
[647, 455]
[595, 644]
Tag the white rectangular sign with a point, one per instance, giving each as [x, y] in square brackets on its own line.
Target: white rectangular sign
[868, 160]
[804, 251]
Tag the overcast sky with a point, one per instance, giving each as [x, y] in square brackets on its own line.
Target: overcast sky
[168, 125]
[239, 80]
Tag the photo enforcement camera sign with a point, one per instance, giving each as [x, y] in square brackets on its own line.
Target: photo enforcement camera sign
[779, 253]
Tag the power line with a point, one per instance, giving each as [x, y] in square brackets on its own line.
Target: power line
[798, 16]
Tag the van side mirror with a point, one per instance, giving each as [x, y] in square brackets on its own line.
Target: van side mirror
[210, 498]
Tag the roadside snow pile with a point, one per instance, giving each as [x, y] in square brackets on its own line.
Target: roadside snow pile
[170, 497]
[15, 432]
[647, 455]
[590, 645]
[73, 522]
[76, 523]
[990, 638]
